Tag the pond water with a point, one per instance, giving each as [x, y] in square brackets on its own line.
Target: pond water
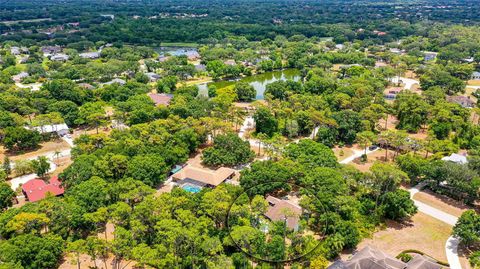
[176, 51]
[259, 81]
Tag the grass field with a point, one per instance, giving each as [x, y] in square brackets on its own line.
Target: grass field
[422, 233]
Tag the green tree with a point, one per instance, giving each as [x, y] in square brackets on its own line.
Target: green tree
[467, 228]
[19, 138]
[397, 205]
[6, 196]
[265, 122]
[151, 169]
[228, 150]
[245, 92]
[41, 165]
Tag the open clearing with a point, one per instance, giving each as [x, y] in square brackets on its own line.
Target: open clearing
[47, 147]
[422, 233]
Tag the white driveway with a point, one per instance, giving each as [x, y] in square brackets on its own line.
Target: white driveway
[407, 82]
[356, 154]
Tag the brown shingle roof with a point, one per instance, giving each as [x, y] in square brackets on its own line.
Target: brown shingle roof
[276, 211]
[161, 98]
[206, 176]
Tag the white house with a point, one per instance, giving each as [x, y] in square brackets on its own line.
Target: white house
[60, 129]
[456, 158]
[476, 75]
[90, 55]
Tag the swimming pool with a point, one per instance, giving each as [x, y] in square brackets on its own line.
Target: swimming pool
[191, 188]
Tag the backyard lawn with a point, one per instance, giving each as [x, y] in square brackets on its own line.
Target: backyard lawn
[422, 233]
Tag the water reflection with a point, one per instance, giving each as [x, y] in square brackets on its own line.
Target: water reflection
[259, 82]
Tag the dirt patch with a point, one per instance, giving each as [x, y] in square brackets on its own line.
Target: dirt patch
[377, 156]
[473, 83]
[422, 233]
[391, 123]
[70, 262]
[343, 153]
[47, 147]
[440, 202]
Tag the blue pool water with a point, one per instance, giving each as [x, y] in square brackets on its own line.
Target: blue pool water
[192, 189]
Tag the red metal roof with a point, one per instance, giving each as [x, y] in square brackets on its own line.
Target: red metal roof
[37, 189]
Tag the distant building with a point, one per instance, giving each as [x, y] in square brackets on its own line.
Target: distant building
[86, 86]
[153, 76]
[50, 50]
[456, 158]
[15, 50]
[339, 46]
[229, 62]
[200, 67]
[371, 258]
[193, 55]
[116, 80]
[110, 16]
[464, 101]
[37, 189]
[277, 211]
[476, 75]
[60, 129]
[90, 55]
[430, 56]
[161, 98]
[396, 51]
[60, 57]
[19, 77]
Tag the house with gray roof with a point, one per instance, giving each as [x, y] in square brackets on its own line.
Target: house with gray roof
[371, 258]
[476, 75]
[60, 57]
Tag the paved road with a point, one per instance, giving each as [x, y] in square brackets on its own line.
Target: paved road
[451, 246]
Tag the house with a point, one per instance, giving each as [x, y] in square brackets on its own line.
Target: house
[396, 51]
[229, 62]
[86, 86]
[464, 101]
[277, 211]
[429, 56]
[456, 158]
[37, 189]
[90, 55]
[202, 177]
[116, 80]
[339, 46]
[371, 258]
[152, 76]
[50, 50]
[60, 57]
[19, 77]
[200, 67]
[192, 55]
[476, 75]
[15, 50]
[60, 129]
[163, 58]
[161, 98]
[24, 59]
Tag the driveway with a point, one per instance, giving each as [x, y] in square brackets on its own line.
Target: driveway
[451, 246]
[407, 82]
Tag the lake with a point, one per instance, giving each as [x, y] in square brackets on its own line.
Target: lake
[259, 81]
